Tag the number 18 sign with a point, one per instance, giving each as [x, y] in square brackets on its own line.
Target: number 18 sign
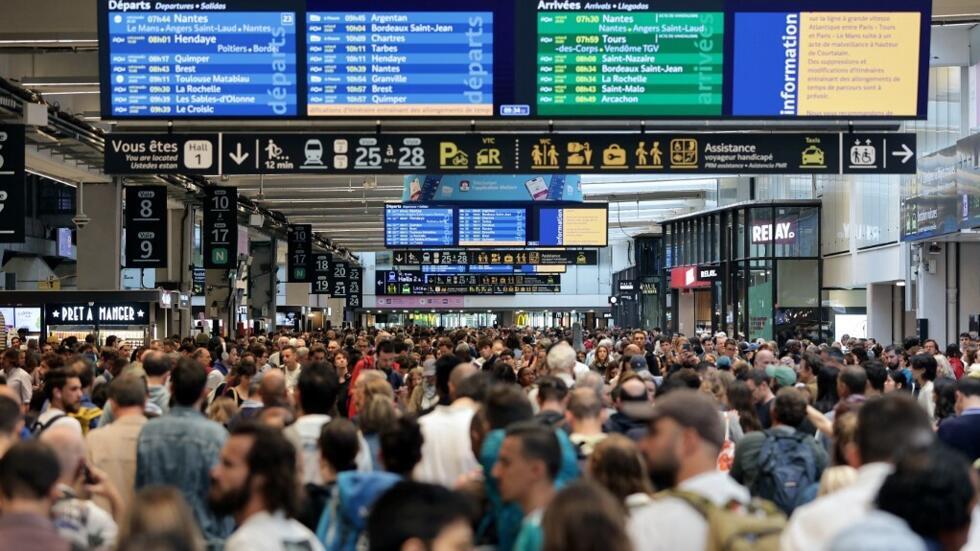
[146, 227]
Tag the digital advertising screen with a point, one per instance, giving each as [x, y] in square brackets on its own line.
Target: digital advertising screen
[506, 59]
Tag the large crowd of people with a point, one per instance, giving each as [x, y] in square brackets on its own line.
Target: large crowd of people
[508, 438]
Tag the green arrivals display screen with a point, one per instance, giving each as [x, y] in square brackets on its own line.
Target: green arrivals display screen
[609, 63]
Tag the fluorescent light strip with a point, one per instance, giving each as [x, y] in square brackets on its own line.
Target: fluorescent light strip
[50, 177]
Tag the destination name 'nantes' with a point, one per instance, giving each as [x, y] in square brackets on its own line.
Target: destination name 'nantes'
[566, 5]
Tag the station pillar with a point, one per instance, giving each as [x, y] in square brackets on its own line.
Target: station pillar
[262, 282]
[99, 250]
[179, 275]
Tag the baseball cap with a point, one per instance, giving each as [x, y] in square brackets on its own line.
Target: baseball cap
[638, 363]
[429, 368]
[785, 376]
[723, 362]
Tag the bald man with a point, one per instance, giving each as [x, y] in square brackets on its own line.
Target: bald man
[80, 520]
[447, 453]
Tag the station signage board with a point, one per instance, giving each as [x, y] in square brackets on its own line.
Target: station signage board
[198, 279]
[394, 282]
[146, 227]
[627, 286]
[496, 257]
[13, 191]
[532, 154]
[355, 287]
[783, 232]
[321, 274]
[220, 235]
[689, 277]
[87, 314]
[299, 254]
[339, 279]
[504, 59]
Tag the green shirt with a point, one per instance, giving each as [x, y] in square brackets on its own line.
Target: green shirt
[530, 538]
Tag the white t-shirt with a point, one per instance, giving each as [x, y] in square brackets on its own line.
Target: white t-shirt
[64, 421]
[446, 452]
[271, 532]
[304, 434]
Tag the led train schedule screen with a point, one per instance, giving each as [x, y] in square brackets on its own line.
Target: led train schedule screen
[629, 63]
[395, 64]
[181, 60]
[492, 227]
[419, 226]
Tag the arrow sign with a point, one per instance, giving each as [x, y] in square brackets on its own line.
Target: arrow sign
[239, 156]
[905, 153]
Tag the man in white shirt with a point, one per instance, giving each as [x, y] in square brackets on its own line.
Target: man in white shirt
[887, 427]
[447, 453]
[681, 450]
[291, 366]
[63, 390]
[924, 371]
[255, 482]
[17, 379]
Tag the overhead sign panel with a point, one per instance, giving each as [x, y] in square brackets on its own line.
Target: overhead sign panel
[321, 273]
[12, 185]
[146, 227]
[483, 59]
[503, 257]
[495, 187]
[418, 283]
[299, 254]
[419, 226]
[205, 60]
[473, 163]
[355, 287]
[339, 276]
[220, 235]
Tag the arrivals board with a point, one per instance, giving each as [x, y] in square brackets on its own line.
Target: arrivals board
[483, 59]
[493, 227]
[419, 226]
[146, 226]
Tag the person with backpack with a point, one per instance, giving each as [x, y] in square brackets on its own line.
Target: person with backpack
[63, 391]
[699, 506]
[781, 464]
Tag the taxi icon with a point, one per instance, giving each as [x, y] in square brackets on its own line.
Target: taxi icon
[813, 156]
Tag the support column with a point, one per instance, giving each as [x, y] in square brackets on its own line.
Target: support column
[880, 312]
[262, 281]
[217, 290]
[178, 275]
[99, 250]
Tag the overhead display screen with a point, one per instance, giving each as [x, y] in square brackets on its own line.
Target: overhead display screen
[419, 226]
[503, 59]
[572, 227]
[179, 60]
[497, 227]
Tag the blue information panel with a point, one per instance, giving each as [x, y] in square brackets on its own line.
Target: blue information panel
[400, 64]
[492, 227]
[419, 226]
[176, 63]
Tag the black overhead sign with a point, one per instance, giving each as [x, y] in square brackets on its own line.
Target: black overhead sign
[162, 154]
[355, 287]
[634, 153]
[503, 257]
[146, 227]
[220, 237]
[124, 313]
[12, 188]
[321, 274]
[339, 279]
[299, 253]
[394, 282]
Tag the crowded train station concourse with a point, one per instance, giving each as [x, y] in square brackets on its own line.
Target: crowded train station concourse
[512, 275]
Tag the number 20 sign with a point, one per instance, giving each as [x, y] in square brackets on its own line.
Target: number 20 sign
[146, 227]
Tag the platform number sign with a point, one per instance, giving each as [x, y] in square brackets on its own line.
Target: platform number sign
[321, 274]
[12, 186]
[355, 287]
[299, 253]
[338, 280]
[220, 237]
[146, 227]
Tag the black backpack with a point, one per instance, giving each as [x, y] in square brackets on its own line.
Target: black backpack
[37, 428]
[787, 469]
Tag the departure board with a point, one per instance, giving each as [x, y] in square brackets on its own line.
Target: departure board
[419, 226]
[400, 64]
[492, 227]
[176, 61]
[630, 63]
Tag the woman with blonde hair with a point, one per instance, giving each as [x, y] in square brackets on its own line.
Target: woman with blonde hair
[160, 513]
[616, 465]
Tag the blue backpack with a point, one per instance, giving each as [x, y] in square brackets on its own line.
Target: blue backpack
[787, 469]
[344, 519]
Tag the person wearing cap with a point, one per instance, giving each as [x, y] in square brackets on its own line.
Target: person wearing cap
[782, 376]
[723, 363]
[681, 451]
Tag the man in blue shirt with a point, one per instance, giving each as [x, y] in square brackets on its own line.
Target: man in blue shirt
[179, 449]
[963, 431]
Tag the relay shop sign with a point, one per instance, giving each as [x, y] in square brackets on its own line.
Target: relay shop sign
[538, 156]
[146, 227]
[129, 313]
[12, 187]
[220, 237]
[780, 233]
[687, 277]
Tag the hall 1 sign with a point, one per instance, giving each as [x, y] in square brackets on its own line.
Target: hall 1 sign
[12, 187]
[146, 227]
[220, 237]
[121, 314]
[299, 254]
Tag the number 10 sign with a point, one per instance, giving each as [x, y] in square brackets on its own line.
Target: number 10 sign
[146, 227]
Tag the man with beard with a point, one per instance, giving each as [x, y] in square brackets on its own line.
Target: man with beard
[63, 390]
[681, 450]
[254, 481]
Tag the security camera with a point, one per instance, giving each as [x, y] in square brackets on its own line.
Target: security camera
[81, 221]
